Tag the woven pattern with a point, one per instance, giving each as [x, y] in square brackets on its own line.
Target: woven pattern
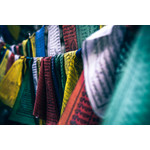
[73, 74]
[54, 46]
[131, 100]
[23, 108]
[10, 84]
[100, 56]
[78, 110]
[34, 72]
[45, 104]
[70, 39]
[40, 43]
[83, 31]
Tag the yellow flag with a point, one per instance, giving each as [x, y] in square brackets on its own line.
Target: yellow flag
[3, 65]
[10, 84]
[73, 68]
[32, 39]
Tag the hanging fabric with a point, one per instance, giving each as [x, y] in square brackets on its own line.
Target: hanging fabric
[11, 60]
[24, 43]
[23, 108]
[40, 42]
[10, 84]
[83, 31]
[100, 55]
[70, 39]
[55, 83]
[34, 72]
[45, 106]
[130, 102]
[3, 65]
[58, 78]
[73, 67]
[78, 110]
[63, 73]
[54, 45]
[33, 46]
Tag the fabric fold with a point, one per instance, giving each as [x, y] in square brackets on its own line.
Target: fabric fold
[23, 107]
[130, 102]
[73, 67]
[78, 110]
[100, 57]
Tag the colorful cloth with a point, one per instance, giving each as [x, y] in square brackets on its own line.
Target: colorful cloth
[55, 83]
[24, 47]
[78, 110]
[130, 102]
[63, 73]
[3, 65]
[45, 103]
[83, 31]
[23, 108]
[70, 39]
[40, 42]
[54, 46]
[58, 78]
[33, 46]
[11, 60]
[73, 67]
[10, 84]
[100, 57]
[34, 72]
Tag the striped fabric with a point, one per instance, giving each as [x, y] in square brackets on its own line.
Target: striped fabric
[78, 110]
[34, 72]
[54, 46]
[70, 39]
[23, 108]
[73, 70]
[45, 104]
[10, 84]
[3, 65]
[100, 57]
[40, 42]
[83, 31]
[130, 102]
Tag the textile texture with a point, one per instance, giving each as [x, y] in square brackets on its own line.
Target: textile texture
[78, 110]
[54, 45]
[70, 38]
[130, 102]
